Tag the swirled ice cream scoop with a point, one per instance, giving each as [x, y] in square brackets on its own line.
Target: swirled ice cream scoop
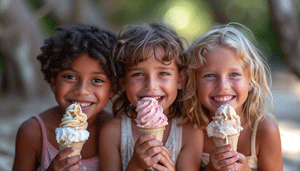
[150, 113]
[225, 123]
[73, 126]
[74, 118]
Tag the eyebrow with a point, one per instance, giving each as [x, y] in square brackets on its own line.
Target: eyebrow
[158, 67]
[95, 72]
[99, 73]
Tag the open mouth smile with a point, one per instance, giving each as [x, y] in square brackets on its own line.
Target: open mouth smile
[82, 104]
[223, 98]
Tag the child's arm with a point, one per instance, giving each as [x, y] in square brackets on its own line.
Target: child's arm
[269, 145]
[192, 147]
[28, 142]
[29, 150]
[109, 145]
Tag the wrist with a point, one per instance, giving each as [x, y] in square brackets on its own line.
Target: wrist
[133, 167]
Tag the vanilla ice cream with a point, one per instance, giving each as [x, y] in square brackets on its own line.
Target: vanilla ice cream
[225, 125]
[72, 128]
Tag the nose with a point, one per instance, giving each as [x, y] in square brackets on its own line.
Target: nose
[222, 84]
[151, 84]
[82, 87]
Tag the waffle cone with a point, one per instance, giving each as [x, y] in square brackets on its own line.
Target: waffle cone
[231, 139]
[76, 145]
[157, 131]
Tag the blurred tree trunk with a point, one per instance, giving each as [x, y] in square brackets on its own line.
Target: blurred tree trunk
[285, 21]
[21, 37]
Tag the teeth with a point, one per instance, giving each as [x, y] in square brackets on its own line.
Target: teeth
[83, 104]
[155, 98]
[222, 99]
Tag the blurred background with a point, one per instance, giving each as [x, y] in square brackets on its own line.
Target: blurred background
[24, 24]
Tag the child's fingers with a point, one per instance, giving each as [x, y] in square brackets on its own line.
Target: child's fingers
[225, 155]
[165, 162]
[142, 146]
[167, 159]
[73, 167]
[228, 161]
[69, 161]
[222, 149]
[145, 138]
[64, 153]
[230, 167]
[222, 158]
[61, 161]
[150, 152]
[150, 161]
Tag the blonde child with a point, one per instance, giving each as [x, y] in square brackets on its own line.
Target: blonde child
[153, 65]
[228, 69]
[77, 63]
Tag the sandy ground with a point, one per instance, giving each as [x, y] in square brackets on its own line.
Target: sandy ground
[286, 94]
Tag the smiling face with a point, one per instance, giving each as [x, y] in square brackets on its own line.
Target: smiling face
[222, 80]
[152, 78]
[86, 83]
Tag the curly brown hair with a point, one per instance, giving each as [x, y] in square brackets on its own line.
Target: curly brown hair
[70, 41]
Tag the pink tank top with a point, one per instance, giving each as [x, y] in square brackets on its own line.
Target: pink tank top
[49, 152]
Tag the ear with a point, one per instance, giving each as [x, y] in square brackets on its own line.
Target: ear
[182, 76]
[250, 86]
[53, 85]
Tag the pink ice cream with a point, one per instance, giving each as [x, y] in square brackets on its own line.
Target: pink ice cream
[150, 113]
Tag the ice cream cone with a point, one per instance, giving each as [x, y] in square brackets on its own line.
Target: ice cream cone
[230, 139]
[76, 145]
[157, 131]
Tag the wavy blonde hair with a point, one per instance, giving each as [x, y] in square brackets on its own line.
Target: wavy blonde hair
[233, 36]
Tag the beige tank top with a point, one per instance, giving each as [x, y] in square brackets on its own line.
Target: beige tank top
[173, 142]
[252, 160]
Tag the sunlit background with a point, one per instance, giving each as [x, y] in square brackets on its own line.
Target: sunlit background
[24, 24]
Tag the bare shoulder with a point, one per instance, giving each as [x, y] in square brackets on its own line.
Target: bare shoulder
[191, 133]
[113, 123]
[269, 145]
[267, 127]
[192, 147]
[191, 129]
[30, 129]
[104, 116]
[111, 128]
[28, 145]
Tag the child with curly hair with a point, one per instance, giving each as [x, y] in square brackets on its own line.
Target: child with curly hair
[77, 63]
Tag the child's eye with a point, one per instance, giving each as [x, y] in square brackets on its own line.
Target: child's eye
[235, 74]
[98, 80]
[163, 74]
[209, 75]
[69, 77]
[137, 74]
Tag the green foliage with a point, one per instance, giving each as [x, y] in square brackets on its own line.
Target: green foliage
[47, 22]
